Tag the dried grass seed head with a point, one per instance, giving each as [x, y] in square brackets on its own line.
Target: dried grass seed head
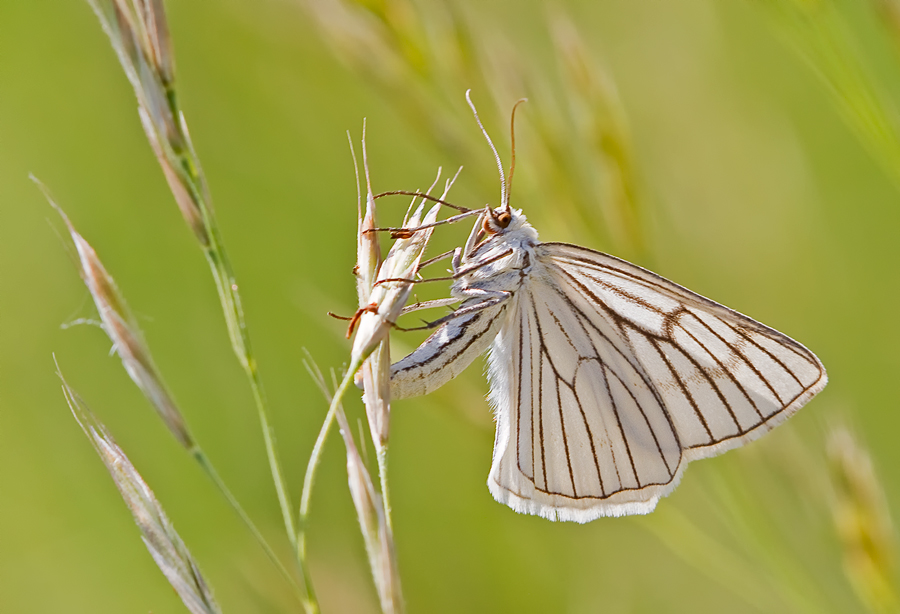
[139, 34]
[401, 262]
[165, 545]
[120, 325]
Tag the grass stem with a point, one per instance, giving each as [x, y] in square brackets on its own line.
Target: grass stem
[383, 477]
[240, 343]
[203, 460]
[314, 459]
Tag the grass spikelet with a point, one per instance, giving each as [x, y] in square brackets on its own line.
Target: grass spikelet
[373, 523]
[120, 325]
[863, 523]
[376, 379]
[165, 545]
[401, 263]
[139, 34]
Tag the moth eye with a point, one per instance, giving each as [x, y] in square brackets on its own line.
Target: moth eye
[495, 222]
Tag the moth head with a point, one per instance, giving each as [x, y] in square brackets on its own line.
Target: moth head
[496, 220]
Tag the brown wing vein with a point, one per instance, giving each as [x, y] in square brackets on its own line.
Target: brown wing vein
[702, 371]
[684, 389]
[583, 316]
[743, 334]
[587, 428]
[540, 410]
[637, 479]
[747, 361]
[637, 367]
[517, 373]
[562, 424]
[558, 378]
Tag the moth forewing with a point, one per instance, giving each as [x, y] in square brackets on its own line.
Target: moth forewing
[447, 352]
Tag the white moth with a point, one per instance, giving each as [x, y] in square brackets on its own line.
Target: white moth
[606, 380]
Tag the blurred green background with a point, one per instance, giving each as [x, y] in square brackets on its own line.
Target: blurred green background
[762, 178]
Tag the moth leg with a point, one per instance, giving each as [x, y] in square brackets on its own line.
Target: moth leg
[405, 233]
[465, 271]
[484, 299]
[456, 275]
[456, 262]
[452, 252]
[371, 308]
[440, 302]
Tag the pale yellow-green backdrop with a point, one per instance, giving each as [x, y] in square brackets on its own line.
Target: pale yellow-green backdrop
[760, 184]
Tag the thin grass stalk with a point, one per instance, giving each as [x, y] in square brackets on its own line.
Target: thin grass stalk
[381, 457]
[374, 522]
[315, 458]
[138, 32]
[377, 534]
[204, 462]
[376, 382]
[376, 376]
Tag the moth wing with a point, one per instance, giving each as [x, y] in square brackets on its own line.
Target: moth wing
[449, 350]
[607, 380]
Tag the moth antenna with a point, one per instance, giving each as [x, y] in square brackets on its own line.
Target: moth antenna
[504, 197]
[512, 163]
